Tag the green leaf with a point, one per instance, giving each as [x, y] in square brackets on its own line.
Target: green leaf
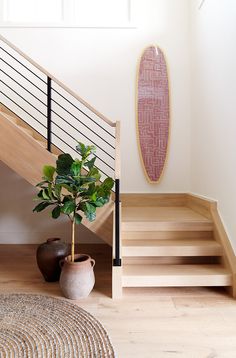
[56, 212]
[64, 179]
[45, 194]
[76, 167]
[86, 180]
[42, 183]
[64, 163]
[67, 198]
[48, 172]
[81, 148]
[104, 190]
[57, 190]
[52, 193]
[90, 163]
[41, 206]
[68, 207]
[90, 212]
[78, 218]
[90, 216]
[85, 150]
[40, 194]
[93, 197]
[101, 201]
[94, 172]
[89, 191]
[90, 207]
[108, 184]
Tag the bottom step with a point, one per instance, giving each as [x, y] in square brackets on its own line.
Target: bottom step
[175, 275]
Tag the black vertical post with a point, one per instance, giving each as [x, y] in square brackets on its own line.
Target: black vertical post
[117, 259]
[49, 113]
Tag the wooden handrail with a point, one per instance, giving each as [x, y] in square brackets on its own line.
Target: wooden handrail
[62, 85]
[117, 153]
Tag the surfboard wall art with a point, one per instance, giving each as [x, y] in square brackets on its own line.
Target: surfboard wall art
[153, 112]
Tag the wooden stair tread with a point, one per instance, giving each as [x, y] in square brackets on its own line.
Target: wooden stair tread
[175, 275]
[161, 214]
[176, 247]
[163, 219]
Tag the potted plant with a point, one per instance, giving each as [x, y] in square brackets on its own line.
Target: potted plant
[74, 188]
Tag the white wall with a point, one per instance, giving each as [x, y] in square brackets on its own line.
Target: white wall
[213, 169]
[100, 65]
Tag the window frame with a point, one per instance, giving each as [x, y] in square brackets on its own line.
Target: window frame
[67, 21]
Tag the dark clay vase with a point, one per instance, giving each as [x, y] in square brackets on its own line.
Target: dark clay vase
[48, 257]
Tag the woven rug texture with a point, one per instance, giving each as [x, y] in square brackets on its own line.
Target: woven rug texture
[36, 326]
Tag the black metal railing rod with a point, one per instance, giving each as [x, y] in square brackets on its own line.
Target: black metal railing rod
[71, 125]
[104, 140]
[43, 114]
[23, 120]
[23, 110]
[23, 65]
[117, 259]
[62, 140]
[85, 114]
[25, 89]
[23, 76]
[49, 113]
[77, 142]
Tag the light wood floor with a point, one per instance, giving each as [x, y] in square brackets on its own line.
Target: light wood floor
[145, 323]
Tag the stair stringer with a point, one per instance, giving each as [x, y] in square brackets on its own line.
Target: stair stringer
[21, 152]
[221, 272]
[26, 156]
[209, 208]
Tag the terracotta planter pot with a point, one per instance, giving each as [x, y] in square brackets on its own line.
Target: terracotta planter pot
[48, 256]
[77, 278]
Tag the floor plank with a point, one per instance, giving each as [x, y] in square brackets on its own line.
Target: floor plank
[145, 323]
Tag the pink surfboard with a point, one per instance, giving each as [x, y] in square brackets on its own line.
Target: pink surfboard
[153, 115]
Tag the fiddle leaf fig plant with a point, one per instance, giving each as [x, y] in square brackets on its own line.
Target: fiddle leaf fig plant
[73, 188]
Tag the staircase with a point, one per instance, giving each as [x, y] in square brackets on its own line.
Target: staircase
[40, 118]
[25, 151]
[169, 246]
[20, 149]
[166, 240]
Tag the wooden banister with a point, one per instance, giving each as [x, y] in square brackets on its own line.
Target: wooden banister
[117, 153]
[62, 85]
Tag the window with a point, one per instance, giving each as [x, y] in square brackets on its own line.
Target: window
[30, 11]
[65, 13]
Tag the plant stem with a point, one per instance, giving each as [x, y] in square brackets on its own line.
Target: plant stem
[73, 241]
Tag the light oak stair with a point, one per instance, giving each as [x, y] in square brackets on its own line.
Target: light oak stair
[27, 128]
[24, 151]
[175, 275]
[170, 246]
[176, 247]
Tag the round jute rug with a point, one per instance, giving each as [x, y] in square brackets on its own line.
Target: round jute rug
[35, 326]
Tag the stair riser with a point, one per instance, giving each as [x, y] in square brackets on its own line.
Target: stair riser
[170, 251]
[176, 281]
[153, 200]
[166, 226]
[170, 260]
[166, 235]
